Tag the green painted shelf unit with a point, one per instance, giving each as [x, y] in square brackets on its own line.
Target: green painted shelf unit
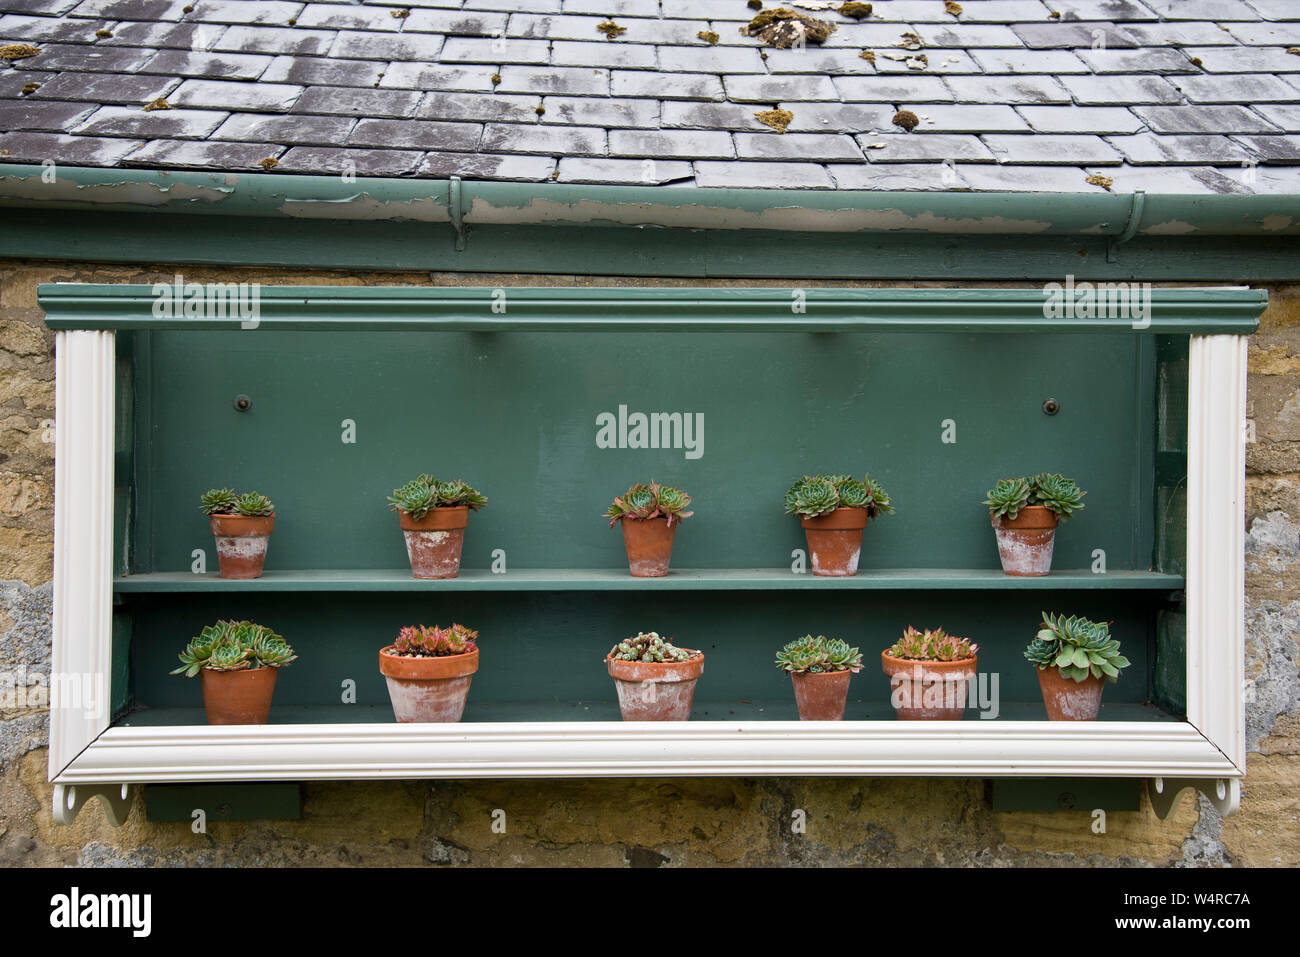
[937, 393]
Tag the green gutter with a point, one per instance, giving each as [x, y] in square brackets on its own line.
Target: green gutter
[642, 309]
[263, 219]
[427, 200]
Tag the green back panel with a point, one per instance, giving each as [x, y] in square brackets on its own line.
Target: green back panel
[515, 415]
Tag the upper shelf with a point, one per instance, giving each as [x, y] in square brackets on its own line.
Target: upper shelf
[1201, 311]
[610, 579]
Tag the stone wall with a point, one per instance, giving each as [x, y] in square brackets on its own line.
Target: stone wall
[742, 821]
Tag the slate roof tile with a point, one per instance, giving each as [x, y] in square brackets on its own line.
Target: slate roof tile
[311, 130]
[203, 154]
[24, 147]
[335, 161]
[134, 122]
[618, 172]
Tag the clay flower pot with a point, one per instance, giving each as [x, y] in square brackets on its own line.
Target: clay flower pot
[428, 689]
[649, 543]
[433, 543]
[1025, 542]
[835, 541]
[241, 543]
[928, 690]
[821, 697]
[238, 697]
[655, 690]
[1067, 699]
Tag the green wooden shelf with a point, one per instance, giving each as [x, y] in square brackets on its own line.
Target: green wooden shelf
[606, 709]
[610, 579]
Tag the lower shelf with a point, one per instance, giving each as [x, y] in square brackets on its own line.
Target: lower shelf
[542, 713]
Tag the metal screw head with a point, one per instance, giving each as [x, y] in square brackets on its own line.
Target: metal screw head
[1067, 800]
[243, 403]
[1051, 407]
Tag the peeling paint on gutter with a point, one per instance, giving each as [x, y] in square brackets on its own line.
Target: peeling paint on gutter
[788, 218]
[364, 206]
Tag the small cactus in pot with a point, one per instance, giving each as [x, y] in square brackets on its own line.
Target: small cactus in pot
[655, 679]
[242, 526]
[428, 670]
[820, 669]
[238, 662]
[929, 674]
[433, 515]
[834, 511]
[650, 515]
[1075, 658]
[1025, 513]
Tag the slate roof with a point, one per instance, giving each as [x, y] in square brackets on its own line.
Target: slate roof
[1168, 96]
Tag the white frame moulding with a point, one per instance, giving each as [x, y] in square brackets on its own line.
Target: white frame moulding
[89, 758]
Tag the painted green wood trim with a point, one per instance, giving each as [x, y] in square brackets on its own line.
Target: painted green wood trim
[387, 246]
[271, 801]
[1065, 794]
[1229, 310]
[607, 579]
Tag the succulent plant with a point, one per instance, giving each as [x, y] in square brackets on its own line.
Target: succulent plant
[650, 646]
[1059, 494]
[650, 501]
[421, 641]
[421, 495]
[1078, 647]
[218, 501]
[224, 501]
[815, 495]
[1011, 495]
[234, 646]
[809, 655]
[936, 645]
[251, 503]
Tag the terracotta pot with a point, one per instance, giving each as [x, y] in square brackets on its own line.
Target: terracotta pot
[821, 697]
[428, 689]
[238, 697]
[1067, 699]
[1025, 543]
[655, 690]
[241, 543]
[649, 543]
[835, 541]
[433, 543]
[928, 690]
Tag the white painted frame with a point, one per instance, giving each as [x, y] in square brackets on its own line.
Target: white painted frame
[85, 751]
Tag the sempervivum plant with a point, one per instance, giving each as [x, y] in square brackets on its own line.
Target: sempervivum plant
[421, 495]
[1078, 647]
[421, 641]
[234, 646]
[1054, 491]
[809, 655]
[936, 645]
[224, 501]
[650, 646]
[815, 495]
[650, 501]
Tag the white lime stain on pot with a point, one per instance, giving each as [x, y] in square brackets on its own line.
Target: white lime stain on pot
[243, 546]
